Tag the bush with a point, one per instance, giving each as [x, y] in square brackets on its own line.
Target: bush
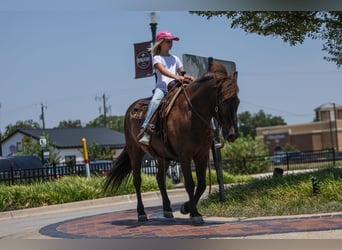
[243, 156]
[66, 189]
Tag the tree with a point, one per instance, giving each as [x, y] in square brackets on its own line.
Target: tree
[70, 124]
[248, 123]
[33, 147]
[96, 152]
[292, 26]
[113, 122]
[27, 124]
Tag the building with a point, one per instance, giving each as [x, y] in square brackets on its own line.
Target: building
[67, 141]
[325, 132]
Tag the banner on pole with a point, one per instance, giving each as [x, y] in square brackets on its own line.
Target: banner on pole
[143, 60]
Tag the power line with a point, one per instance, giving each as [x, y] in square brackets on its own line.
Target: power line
[103, 100]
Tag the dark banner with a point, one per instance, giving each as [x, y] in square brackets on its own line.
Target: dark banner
[143, 60]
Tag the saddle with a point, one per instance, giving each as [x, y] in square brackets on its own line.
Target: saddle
[158, 125]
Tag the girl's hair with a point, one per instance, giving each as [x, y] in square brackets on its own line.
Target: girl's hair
[156, 47]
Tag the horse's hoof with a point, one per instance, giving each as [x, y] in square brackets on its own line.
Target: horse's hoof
[142, 218]
[197, 220]
[183, 210]
[168, 214]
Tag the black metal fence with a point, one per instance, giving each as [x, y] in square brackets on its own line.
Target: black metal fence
[49, 172]
[285, 161]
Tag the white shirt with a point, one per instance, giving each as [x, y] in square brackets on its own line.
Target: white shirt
[171, 63]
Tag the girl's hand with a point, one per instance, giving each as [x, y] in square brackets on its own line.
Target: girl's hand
[180, 78]
[190, 78]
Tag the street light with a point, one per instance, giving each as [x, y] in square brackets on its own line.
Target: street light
[336, 131]
[333, 145]
[153, 19]
[0, 135]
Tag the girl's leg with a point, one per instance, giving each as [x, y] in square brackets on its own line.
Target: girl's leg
[153, 105]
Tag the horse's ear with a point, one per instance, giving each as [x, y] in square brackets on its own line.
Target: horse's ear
[235, 75]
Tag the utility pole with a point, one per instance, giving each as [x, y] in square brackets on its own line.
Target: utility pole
[106, 108]
[42, 116]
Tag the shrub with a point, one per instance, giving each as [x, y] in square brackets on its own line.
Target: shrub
[243, 156]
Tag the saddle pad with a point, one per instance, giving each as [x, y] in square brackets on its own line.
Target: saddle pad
[140, 109]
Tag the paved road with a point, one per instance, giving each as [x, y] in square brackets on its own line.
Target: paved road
[26, 224]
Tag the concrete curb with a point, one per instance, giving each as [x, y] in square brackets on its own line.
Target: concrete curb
[78, 205]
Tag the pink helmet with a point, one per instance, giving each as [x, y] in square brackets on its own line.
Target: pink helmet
[165, 34]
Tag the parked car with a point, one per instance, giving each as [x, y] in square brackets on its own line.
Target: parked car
[174, 171]
[150, 166]
[288, 157]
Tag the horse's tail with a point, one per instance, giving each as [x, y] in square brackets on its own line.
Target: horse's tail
[120, 171]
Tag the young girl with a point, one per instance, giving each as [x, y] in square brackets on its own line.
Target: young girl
[168, 67]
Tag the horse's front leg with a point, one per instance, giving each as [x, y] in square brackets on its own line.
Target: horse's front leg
[161, 177]
[190, 206]
[201, 165]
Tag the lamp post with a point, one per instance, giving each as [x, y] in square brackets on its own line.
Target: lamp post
[336, 128]
[334, 143]
[0, 135]
[153, 20]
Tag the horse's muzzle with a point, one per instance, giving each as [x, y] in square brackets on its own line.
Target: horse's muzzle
[231, 135]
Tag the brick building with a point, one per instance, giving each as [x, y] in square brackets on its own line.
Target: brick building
[325, 132]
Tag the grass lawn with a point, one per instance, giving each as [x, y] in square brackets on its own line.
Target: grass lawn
[287, 195]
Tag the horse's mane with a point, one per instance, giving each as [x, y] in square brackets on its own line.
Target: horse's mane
[218, 73]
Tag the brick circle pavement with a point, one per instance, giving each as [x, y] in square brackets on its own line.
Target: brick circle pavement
[124, 225]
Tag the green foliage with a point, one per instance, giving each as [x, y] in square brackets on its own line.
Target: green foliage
[27, 124]
[70, 124]
[211, 177]
[292, 194]
[242, 156]
[289, 148]
[95, 152]
[292, 26]
[248, 122]
[32, 147]
[66, 189]
[113, 122]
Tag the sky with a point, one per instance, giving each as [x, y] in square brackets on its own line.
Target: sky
[66, 60]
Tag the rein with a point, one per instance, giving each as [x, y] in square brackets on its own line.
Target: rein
[195, 112]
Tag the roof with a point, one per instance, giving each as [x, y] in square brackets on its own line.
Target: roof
[72, 137]
[328, 106]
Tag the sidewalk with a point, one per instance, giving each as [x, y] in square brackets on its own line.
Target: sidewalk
[115, 218]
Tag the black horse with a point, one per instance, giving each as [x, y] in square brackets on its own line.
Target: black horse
[187, 136]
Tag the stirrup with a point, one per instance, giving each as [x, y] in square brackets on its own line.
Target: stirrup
[145, 139]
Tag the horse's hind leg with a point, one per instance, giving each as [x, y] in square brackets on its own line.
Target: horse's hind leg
[161, 176]
[140, 206]
[136, 168]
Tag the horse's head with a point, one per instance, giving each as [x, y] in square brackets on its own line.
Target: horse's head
[227, 115]
[227, 102]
